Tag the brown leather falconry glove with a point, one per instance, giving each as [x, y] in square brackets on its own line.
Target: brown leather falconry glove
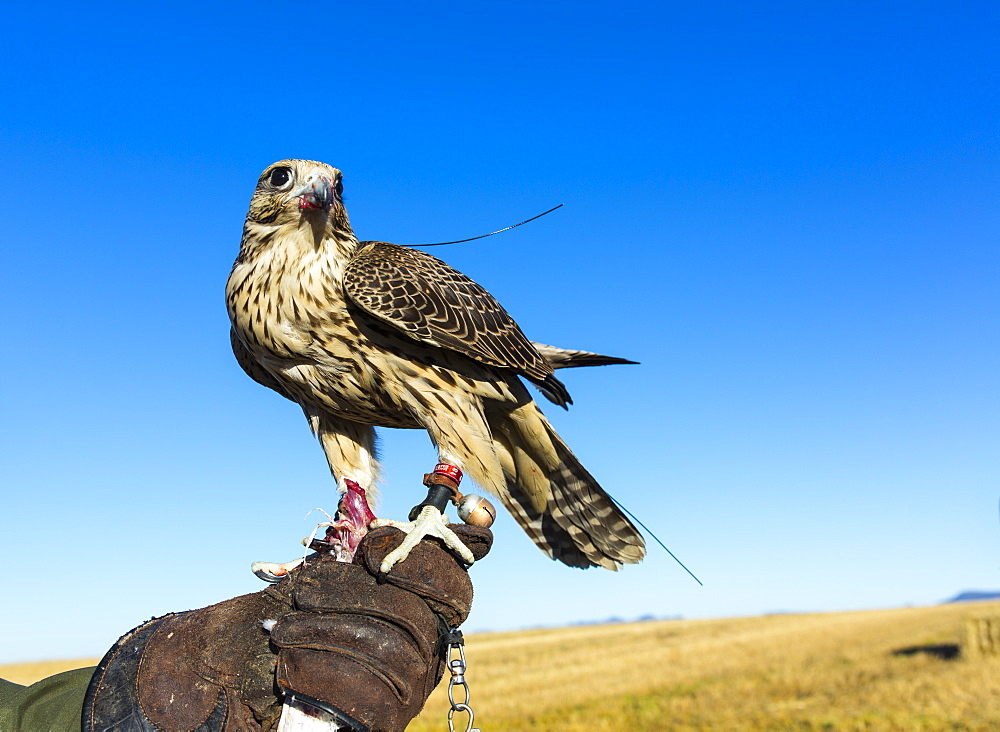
[336, 636]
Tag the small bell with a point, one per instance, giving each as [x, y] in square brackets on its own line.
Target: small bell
[476, 511]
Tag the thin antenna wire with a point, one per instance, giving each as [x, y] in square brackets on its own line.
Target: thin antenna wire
[483, 236]
[655, 538]
[631, 515]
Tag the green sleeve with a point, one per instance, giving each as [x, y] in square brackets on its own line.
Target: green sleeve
[54, 704]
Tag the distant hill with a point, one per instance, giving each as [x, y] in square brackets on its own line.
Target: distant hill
[972, 595]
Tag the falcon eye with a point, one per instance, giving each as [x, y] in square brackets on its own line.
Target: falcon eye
[280, 177]
[340, 188]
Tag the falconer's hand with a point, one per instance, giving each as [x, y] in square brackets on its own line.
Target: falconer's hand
[331, 641]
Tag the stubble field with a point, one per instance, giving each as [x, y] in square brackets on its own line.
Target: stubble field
[876, 670]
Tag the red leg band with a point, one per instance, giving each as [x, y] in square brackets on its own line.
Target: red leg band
[450, 471]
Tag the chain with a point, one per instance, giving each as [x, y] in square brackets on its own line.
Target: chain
[456, 664]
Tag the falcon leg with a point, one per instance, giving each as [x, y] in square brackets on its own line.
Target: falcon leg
[354, 516]
[429, 519]
[350, 453]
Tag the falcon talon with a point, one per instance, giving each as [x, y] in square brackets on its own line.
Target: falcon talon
[272, 571]
[429, 522]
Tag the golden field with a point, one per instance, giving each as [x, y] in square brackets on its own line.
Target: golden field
[28, 673]
[832, 671]
[836, 671]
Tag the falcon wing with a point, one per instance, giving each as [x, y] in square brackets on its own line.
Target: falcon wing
[435, 304]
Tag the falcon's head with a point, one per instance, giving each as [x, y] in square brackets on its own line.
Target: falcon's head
[297, 192]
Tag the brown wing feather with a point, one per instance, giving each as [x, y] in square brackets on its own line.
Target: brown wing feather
[435, 304]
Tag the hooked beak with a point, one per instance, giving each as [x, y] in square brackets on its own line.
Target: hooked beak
[315, 193]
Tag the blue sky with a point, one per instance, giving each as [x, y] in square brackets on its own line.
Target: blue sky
[788, 215]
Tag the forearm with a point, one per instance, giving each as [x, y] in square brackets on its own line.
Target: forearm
[54, 704]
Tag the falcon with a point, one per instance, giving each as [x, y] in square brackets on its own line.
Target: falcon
[365, 334]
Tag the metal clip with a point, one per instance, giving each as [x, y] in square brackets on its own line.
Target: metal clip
[456, 642]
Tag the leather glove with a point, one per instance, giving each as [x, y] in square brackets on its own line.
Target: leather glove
[361, 646]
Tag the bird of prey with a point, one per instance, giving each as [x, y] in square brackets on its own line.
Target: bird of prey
[366, 333]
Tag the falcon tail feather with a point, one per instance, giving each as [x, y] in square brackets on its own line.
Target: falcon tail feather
[581, 525]
[564, 358]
